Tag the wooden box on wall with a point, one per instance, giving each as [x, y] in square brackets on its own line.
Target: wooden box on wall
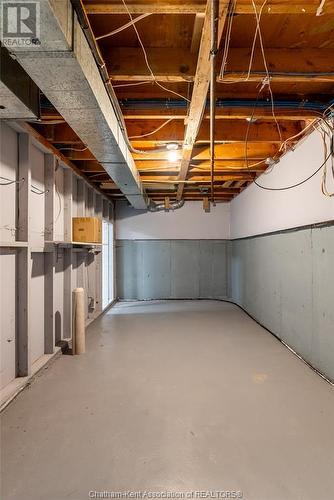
[87, 229]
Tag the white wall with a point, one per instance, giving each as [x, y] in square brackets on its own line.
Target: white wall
[8, 169]
[257, 211]
[188, 222]
[7, 316]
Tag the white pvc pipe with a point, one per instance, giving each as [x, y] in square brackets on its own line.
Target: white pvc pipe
[78, 335]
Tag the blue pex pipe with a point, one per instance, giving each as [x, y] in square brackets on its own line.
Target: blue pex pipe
[231, 103]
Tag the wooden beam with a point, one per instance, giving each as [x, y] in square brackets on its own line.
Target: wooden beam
[162, 166]
[194, 7]
[237, 113]
[226, 131]
[307, 65]
[90, 167]
[193, 172]
[60, 133]
[206, 204]
[293, 64]
[197, 33]
[200, 89]
[234, 151]
[135, 7]
[168, 65]
[64, 159]
[173, 179]
[72, 154]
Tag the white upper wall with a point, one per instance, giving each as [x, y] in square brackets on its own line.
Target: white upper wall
[256, 211]
[188, 222]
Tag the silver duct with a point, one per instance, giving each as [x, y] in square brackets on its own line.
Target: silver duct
[159, 207]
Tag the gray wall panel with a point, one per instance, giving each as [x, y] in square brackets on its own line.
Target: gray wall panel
[185, 268]
[129, 269]
[323, 300]
[157, 269]
[213, 269]
[286, 282]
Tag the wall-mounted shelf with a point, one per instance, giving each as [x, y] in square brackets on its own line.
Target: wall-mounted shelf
[12, 244]
[43, 268]
[67, 244]
[82, 244]
[41, 249]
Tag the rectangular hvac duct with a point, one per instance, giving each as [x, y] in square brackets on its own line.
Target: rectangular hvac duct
[61, 63]
[19, 95]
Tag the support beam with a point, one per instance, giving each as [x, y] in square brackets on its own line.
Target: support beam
[309, 65]
[223, 113]
[226, 165]
[200, 90]
[235, 151]
[65, 60]
[226, 131]
[201, 179]
[197, 33]
[195, 7]
[64, 159]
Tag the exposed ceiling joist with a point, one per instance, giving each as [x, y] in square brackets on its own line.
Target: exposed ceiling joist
[178, 65]
[200, 89]
[226, 112]
[226, 131]
[196, 7]
[235, 151]
[226, 165]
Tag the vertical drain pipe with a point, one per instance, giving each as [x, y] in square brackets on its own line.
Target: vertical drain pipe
[78, 329]
[213, 52]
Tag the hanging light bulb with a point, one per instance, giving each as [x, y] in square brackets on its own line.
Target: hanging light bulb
[172, 156]
[172, 146]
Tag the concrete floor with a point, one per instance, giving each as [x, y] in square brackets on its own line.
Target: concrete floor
[175, 396]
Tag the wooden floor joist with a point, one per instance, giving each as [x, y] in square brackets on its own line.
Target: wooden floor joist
[299, 50]
[200, 89]
[226, 131]
[195, 7]
[223, 113]
[307, 65]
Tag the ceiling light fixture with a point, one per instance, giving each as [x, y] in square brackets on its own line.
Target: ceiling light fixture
[172, 146]
[271, 161]
[251, 119]
[172, 156]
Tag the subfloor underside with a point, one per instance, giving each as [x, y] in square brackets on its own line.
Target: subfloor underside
[175, 396]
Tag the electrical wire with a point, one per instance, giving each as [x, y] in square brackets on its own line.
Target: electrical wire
[154, 131]
[284, 143]
[37, 190]
[10, 181]
[298, 183]
[224, 62]
[228, 37]
[73, 149]
[58, 194]
[125, 26]
[146, 58]
[258, 18]
[324, 188]
[285, 188]
[267, 79]
[134, 84]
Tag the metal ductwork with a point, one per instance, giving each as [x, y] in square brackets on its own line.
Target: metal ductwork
[19, 95]
[160, 207]
[63, 66]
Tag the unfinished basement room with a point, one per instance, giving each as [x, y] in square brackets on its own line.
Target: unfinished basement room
[167, 249]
